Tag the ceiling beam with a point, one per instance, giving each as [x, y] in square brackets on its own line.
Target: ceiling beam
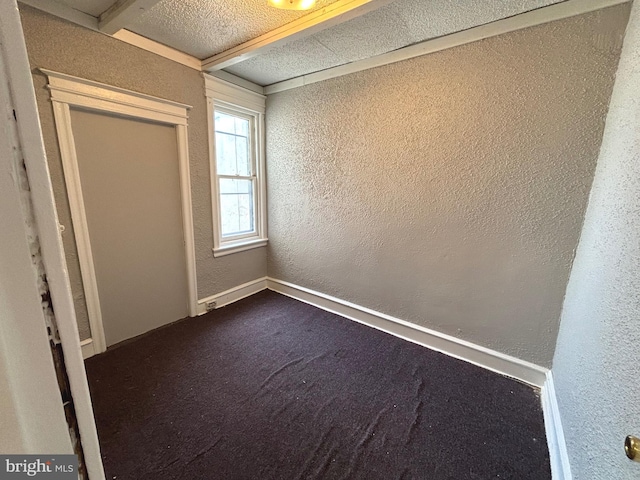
[122, 13]
[158, 48]
[63, 11]
[329, 16]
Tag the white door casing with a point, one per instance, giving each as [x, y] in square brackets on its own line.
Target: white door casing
[68, 91]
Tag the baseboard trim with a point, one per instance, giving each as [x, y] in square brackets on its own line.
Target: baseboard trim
[88, 348]
[560, 467]
[526, 372]
[501, 363]
[232, 295]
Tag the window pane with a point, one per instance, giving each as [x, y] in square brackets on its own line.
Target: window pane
[225, 123]
[242, 126]
[236, 207]
[226, 154]
[243, 166]
[232, 145]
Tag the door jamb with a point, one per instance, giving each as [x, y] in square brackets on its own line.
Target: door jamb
[67, 91]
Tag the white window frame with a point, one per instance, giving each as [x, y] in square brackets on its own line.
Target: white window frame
[232, 99]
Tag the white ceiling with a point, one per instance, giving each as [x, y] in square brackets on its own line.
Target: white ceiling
[401, 23]
[203, 28]
[92, 7]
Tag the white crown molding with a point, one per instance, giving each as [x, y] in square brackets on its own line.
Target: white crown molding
[222, 91]
[507, 365]
[158, 48]
[239, 81]
[75, 16]
[63, 11]
[540, 16]
[558, 455]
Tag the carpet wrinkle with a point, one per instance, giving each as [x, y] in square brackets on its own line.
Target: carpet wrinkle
[285, 407]
[278, 371]
[308, 464]
[270, 388]
[416, 423]
[317, 357]
[368, 434]
[365, 439]
[324, 406]
[204, 451]
[421, 387]
[323, 469]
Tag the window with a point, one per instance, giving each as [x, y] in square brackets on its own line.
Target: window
[237, 167]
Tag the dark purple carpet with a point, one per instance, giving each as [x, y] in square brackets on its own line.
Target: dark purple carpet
[272, 388]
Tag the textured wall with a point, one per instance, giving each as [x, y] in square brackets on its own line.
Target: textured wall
[596, 367]
[447, 190]
[58, 45]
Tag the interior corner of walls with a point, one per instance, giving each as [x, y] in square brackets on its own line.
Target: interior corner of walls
[515, 221]
[231, 295]
[495, 361]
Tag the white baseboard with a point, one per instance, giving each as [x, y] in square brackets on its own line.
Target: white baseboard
[524, 371]
[484, 357]
[232, 295]
[527, 372]
[560, 468]
[88, 348]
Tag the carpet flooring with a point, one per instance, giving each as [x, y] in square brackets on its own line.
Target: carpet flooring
[272, 388]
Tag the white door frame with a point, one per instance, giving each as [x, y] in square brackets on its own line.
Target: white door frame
[67, 91]
[17, 78]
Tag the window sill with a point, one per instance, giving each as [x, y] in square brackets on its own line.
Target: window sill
[239, 247]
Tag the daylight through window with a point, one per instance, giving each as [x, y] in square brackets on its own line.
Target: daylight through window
[236, 178]
[237, 167]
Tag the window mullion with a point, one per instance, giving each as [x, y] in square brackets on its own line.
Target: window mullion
[237, 177]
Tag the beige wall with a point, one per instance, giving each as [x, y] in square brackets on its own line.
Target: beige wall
[58, 45]
[447, 190]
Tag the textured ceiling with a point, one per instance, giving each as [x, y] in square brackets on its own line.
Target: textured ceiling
[396, 25]
[92, 7]
[205, 27]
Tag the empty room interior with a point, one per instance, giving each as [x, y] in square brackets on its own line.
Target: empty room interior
[298, 239]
